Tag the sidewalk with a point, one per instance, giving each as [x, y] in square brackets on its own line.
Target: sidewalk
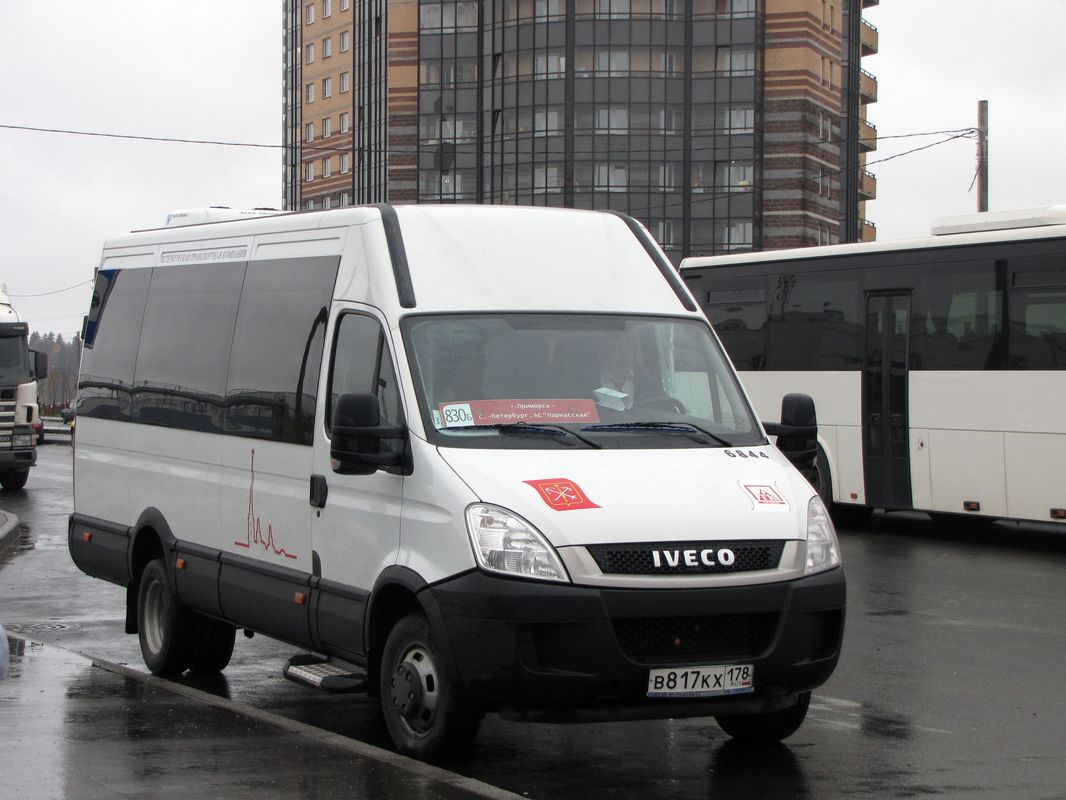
[75, 728]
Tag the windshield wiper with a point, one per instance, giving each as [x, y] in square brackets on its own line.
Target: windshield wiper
[537, 428]
[664, 427]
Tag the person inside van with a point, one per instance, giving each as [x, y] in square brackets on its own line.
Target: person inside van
[620, 382]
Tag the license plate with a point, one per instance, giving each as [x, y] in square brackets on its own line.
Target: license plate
[709, 681]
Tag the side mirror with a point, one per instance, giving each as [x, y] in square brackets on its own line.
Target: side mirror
[40, 365]
[797, 434]
[360, 444]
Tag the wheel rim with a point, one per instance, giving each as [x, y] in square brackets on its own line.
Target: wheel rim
[414, 690]
[153, 616]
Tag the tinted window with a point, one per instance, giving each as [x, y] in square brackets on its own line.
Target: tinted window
[739, 317]
[1037, 322]
[814, 323]
[362, 363]
[957, 318]
[277, 349]
[182, 361]
[112, 332]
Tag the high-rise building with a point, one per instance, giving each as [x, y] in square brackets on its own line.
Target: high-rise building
[722, 125]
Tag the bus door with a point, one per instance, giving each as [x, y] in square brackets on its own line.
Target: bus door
[885, 439]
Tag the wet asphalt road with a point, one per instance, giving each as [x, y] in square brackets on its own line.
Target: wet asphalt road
[951, 682]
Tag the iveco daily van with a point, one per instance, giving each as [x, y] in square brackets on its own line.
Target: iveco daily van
[471, 459]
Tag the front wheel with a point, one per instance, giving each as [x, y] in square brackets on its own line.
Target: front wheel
[15, 479]
[762, 728]
[163, 625]
[424, 716]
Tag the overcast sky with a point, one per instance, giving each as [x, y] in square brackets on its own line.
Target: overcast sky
[211, 69]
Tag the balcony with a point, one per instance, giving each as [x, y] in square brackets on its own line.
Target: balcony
[867, 186]
[867, 87]
[868, 38]
[868, 232]
[867, 136]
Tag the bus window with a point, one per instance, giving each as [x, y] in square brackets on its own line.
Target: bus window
[1038, 329]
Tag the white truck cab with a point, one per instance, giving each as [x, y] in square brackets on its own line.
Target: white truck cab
[471, 459]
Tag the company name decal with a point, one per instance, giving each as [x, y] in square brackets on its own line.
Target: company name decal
[765, 497]
[562, 494]
[693, 558]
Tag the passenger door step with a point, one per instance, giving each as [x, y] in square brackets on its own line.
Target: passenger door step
[319, 672]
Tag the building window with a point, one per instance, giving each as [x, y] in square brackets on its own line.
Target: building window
[327, 202]
[611, 8]
[733, 235]
[546, 179]
[546, 122]
[611, 177]
[345, 122]
[548, 8]
[327, 48]
[612, 62]
[345, 5]
[736, 119]
[309, 205]
[734, 176]
[309, 94]
[345, 41]
[550, 64]
[309, 14]
[309, 132]
[326, 168]
[666, 232]
[327, 8]
[735, 59]
[346, 82]
[327, 88]
[309, 53]
[612, 119]
[667, 177]
[327, 127]
[346, 165]
[668, 120]
[346, 199]
[309, 171]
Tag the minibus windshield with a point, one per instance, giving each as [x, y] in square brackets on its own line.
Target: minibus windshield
[14, 360]
[574, 380]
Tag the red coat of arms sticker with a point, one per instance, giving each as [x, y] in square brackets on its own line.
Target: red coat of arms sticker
[562, 494]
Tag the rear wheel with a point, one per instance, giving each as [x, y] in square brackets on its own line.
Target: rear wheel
[210, 644]
[14, 479]
[424, 716]
[163, 625]
[772, 727]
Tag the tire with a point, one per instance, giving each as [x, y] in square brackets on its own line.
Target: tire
[14, 480]
[764, 728]
[211, 644]
[164, 626]
[844, 516]
[423, 713]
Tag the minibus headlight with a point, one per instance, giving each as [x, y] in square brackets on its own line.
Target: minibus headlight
[22, 440]
[823, 552]
[505, 543]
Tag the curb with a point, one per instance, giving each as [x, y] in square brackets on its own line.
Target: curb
[9, 531]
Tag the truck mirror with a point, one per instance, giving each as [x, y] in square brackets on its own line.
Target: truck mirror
[40, 365]
[360, 444]
[797, 435]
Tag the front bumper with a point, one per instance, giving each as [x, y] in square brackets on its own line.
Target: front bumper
[553, 651]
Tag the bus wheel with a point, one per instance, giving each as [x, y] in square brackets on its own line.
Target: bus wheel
[762, 728]
[15, 479]
[211, 644]
[423, 714]
[162, 623]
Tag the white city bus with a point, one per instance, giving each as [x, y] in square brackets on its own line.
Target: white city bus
[938, 365]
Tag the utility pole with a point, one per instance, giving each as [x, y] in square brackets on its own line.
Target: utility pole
[982, 155]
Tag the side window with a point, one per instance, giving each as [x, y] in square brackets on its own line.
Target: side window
[1037, 314]
[272, 386]
[180, 378]
[739, 317]
[957, 319]
[112, 332]
[362, 363]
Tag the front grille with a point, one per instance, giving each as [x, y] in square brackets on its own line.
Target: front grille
[695, 639]
[640, 559]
